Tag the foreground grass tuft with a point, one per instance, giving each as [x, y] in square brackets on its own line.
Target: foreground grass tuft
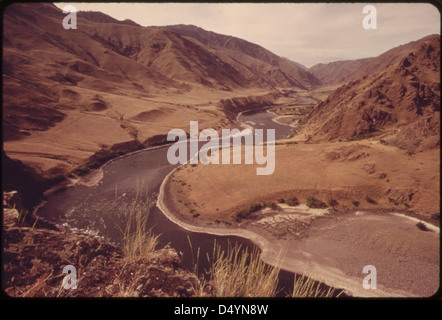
[306, 287]
[138, 240]
[240, 273]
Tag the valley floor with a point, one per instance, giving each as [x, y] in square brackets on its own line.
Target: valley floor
[363, 183]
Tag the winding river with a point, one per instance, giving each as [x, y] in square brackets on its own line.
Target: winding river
[336, 249]
[100, 208]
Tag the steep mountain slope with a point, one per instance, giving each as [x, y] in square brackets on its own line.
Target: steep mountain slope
[264, 64]
[104, 18]
[400, 102]
[389, 57]
[48, 70]
[335, 72]
[340, 72]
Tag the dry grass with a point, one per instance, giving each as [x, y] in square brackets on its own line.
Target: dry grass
[344, 179]
[240, 273]
[306, 287]
[139, 241]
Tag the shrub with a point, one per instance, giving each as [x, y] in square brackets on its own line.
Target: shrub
[312, 202]
[332, 202]
[370, 200]
[246, 213]
[421, 226]
[292, 201]
[271, 205]
[355, 203]
[81, 170]
[254, 207]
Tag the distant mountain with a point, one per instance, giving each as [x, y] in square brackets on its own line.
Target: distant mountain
[263, 64]
[335, 72]
[340, 72]
[400, 102]
[97, 16]
[389, 57]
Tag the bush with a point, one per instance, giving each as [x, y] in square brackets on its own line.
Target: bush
[436, 216]
[370, 200]
[292, 201]
[271, 205]
[421, 226]
[81, 170]
[332, 203]
[246, 213]
[254, 207]
[355, 203]
[312, 202]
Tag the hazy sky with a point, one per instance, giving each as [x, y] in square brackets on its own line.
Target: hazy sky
[306, 33]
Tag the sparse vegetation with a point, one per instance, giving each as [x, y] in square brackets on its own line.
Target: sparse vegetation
[332, 202]
[246, 212]
[138, 240]
[240, 273]
[272, 205]
[292, 201]
[312, 202]
[370, 200]
[421, 226]
[358, 137]
[305, 287]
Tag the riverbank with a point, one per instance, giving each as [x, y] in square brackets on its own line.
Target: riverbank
[334, 247]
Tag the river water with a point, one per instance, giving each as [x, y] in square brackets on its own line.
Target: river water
[100, 209]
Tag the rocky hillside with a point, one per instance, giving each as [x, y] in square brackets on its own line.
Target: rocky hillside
[33, 260]
[340, 72]
[401, 103]
[48, 71]
[262, 65]
[335, 72]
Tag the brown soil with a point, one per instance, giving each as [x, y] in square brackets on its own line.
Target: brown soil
[34, 258]
[359, 175]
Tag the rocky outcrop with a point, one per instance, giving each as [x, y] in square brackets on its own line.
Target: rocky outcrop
[400, 102]
[34, 258]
